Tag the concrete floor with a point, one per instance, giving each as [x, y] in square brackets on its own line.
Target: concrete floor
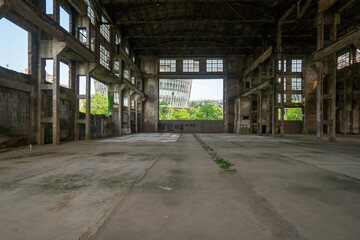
[284, 188]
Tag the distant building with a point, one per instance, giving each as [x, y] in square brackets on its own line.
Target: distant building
[175, 92]
[100, 87]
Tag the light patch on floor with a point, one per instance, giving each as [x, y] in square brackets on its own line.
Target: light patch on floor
[146, 137]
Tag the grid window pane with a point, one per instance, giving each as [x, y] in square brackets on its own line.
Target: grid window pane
[214, 65]
[296, 65]
[191, 66]
[167, 65]
[105, 29]
[104, 57]
[90, 12]
[296, 98]
[279, 65]
[296, 84]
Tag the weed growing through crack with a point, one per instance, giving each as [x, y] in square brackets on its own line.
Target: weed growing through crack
[224, 164]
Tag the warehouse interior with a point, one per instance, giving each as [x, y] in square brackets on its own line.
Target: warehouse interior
[277, 58]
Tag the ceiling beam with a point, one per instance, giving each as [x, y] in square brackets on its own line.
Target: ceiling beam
[188, 47]
[188, 20]
[170, 1]
[215, 36]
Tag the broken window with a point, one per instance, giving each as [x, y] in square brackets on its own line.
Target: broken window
[126, 74]
[214, 65]
[90, 12]
[296, 98]
[343, 60]
[49, 68]
[133, 80]
[13, 47]
[64, 75]
[117, 39]
[125, 102]
[82, 85]
[279, 80]
[49, 6]
[167, 65]
[296, 84]
[104, 57]
[64, 19]
[105, 29]
[82, 35]
[190, 66]
[116, 67]
[296, 65]
[279, 65]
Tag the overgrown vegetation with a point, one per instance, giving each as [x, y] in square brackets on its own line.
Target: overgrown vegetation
[224, 164]
[100, 104]
[206, 111]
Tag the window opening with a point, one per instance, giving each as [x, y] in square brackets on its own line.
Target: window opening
[126, 74]
[357, 57]
[279, 65]
[64, 19]
[82, 35]
[190, 66]
[291, 114]
[296, 65]
[49, 69]
[279, 98]
[49, 6]
[296, 84]
[82, 85]
[105, 29]
[104, 57]
[127, 50]
[279, 80]
[117, 39]
[116, 68]
[167, 65]
[64, 75]
[90, 12]
[296, 98]
[343, 60]
[214, 65]
[125, 102]
[13, 45]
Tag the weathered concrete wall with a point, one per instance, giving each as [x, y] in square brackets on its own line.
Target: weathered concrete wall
[192, 126]
[100, 126]
[232, 87]
[16, 108]
[310, 83]
[293, 127]
[149, 67]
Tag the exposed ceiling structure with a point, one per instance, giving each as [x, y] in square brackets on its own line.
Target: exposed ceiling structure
[199, 27]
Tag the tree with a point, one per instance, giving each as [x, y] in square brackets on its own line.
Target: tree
[180, 114]
[164, 110]
[99, 104]
[293, 114]
[210, 111]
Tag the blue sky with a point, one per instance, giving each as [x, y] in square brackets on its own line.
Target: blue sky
[13, 46]
[207, 89]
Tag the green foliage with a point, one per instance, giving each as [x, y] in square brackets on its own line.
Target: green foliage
[99, 105]
[293, 114]
[206, 111]
[111, 102]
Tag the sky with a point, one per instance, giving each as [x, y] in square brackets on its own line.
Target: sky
[13, 46]
[207, 89]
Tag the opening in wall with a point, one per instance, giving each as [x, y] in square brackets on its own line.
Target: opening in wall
[64, 19]
[291, 114]
[191, 99]
[82, 85]
[49, 6]
[49, 69]
[13, 45]
[64, 75]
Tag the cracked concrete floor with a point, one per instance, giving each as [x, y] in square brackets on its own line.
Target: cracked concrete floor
[284, 188]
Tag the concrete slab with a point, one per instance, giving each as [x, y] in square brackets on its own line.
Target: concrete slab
[146, 137]
[64, 195]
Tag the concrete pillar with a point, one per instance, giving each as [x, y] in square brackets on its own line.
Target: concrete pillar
[56, 101]
[260, 114]
[129, 109]
[120, 88]
[136, 112]
[88, 105]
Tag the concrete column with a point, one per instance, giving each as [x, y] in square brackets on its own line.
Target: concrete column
[136, 113]
[56, 101]
[129, 109]
[121, 102]
[260, 114]
[88, 105]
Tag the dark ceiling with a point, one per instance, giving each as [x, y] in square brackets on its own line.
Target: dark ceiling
[217, 27]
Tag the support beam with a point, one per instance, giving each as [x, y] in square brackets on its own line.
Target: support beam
[255, 89]
[4, 8]
[347, 40]
[256, 63]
